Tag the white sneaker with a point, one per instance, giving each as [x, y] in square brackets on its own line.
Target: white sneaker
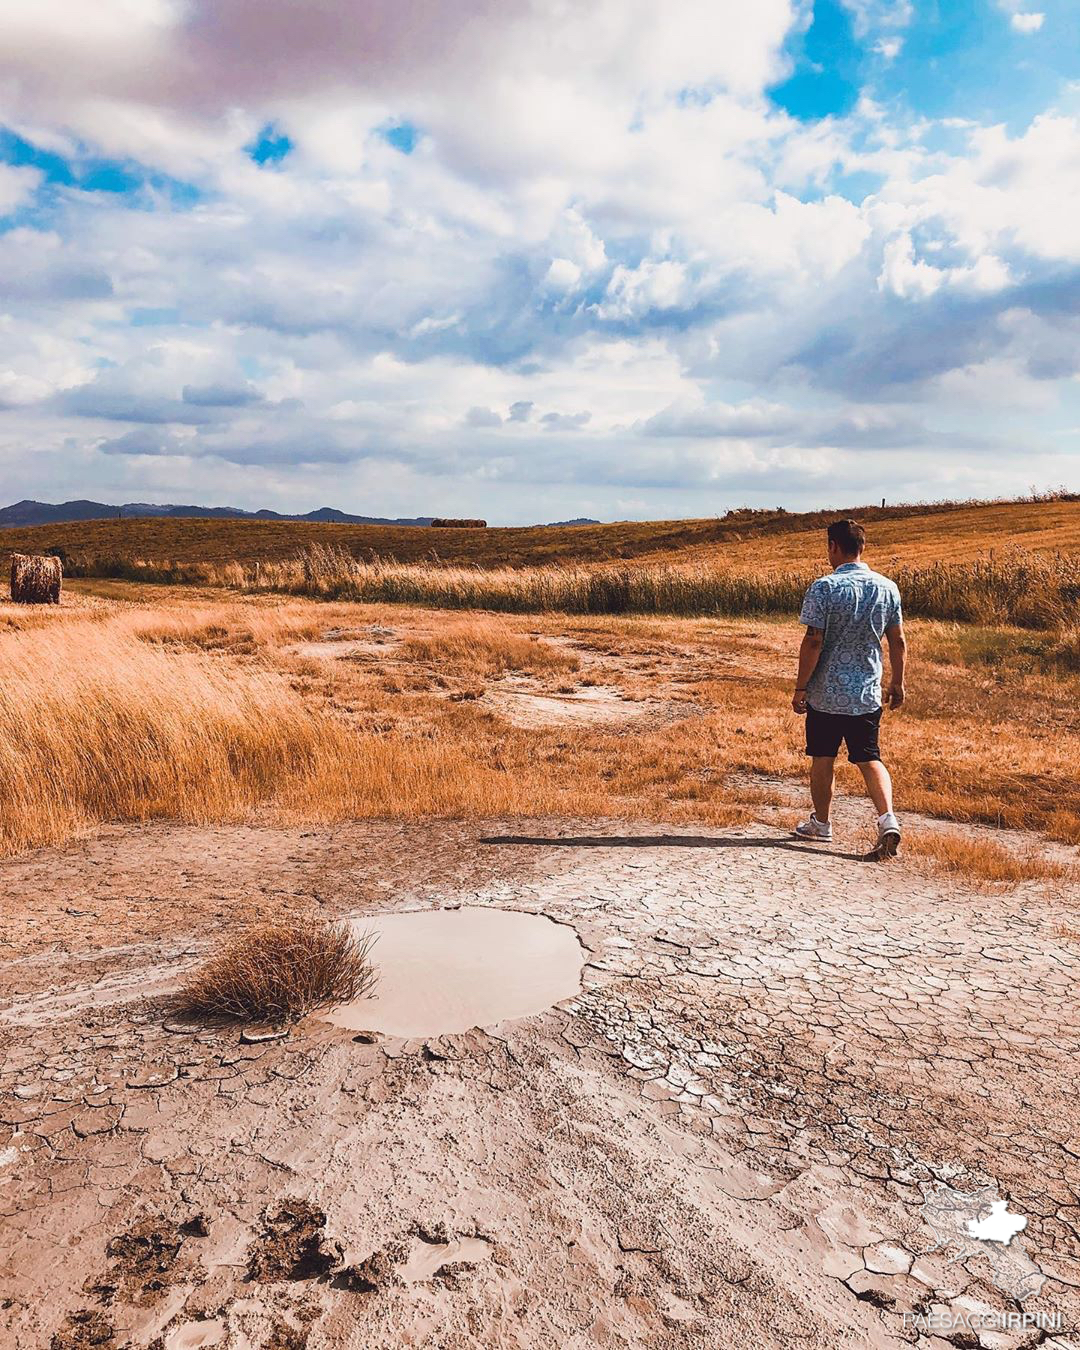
[814, 829]
[888, 835]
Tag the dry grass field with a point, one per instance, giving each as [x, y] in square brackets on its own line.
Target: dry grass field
[323, 685]
[1027, 589]
[911, 535]
[136, 703]
[1012, 564]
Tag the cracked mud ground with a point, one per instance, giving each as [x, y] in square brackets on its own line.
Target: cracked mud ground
[725, 1140]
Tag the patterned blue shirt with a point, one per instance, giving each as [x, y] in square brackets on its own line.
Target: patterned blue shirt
[853, 607]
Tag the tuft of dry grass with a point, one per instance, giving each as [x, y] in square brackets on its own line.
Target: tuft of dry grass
[984, 860]
[487, 648]
[279, 972]
[239, 627]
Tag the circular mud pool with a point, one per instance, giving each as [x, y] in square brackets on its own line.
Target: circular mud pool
[446, 970]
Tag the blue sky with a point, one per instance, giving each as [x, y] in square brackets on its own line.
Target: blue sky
[634, 261]
[957, 58]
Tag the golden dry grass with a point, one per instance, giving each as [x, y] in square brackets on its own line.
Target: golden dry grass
[172, 703]
[1029, 589]
[965, 534]
[102, 720]
[96, 725]
[487, 648]
[1004, 648]
[277, 973]
[984, 860]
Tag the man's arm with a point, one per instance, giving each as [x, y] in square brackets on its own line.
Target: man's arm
[809, 654]
[894, 635]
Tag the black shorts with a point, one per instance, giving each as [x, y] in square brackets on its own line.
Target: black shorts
[825, 731]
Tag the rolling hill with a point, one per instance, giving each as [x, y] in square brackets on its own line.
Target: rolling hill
[760, 540]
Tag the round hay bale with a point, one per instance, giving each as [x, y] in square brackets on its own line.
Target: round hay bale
[36, 579]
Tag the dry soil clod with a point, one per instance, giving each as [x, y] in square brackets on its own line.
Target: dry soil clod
[292, 1245]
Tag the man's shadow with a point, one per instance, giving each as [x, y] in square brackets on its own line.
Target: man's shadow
[674, 841]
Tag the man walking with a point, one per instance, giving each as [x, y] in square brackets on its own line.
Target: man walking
[838, 687]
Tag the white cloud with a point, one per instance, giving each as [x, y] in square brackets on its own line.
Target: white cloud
[610, 262]
[563, 275]
[889, 48]
[17, 185]
[482, 417]
[473, 76]
[652, 285]
[908, 277]
[1021, 20]
[20, 390]
[1009, 192]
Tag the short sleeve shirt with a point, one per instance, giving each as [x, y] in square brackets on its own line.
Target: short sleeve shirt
[853, 607]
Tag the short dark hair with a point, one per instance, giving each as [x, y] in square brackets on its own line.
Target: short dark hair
[848, 536]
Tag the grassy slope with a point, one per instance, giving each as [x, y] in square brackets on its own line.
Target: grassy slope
[909, 534]
[961, 536]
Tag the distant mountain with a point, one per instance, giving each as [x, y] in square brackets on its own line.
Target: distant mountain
[579, 520]
[45, 513]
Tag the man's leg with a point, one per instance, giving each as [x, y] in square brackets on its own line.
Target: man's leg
[863, 750]
[823, 737]
[878, 785]
[821, 786]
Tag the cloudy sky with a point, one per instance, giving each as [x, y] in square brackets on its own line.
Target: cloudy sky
[534, 259]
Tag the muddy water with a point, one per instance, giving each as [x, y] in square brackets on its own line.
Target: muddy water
[446, 970]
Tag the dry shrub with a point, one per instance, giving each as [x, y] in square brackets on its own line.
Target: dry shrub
[486, 648]
[984, 861]
[279, 972]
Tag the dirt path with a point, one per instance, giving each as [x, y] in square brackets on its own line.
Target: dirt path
[729, 1138]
